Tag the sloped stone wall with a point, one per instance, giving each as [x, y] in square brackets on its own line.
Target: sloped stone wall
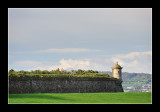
[65, 86]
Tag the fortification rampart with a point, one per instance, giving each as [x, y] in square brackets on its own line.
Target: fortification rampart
[63, 85]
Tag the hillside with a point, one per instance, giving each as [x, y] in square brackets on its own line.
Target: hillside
[134, 82]
[131, 76]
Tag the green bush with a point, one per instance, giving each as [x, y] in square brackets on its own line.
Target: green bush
[56, 74]
[61, 75]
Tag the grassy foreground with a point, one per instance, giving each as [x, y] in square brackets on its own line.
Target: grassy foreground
[81, 98]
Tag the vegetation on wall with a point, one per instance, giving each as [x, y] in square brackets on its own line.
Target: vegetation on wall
[45, 74]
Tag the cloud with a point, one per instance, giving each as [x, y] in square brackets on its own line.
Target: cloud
[131, 62]
[62, 50]
[27, 63]
[42, 25]
[135, 61]
[67, 64]
[133, 55]
[73, 64]
[31, 65]
[66, 50]
[70, 64]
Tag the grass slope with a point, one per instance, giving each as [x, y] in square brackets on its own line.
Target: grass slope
[82, 98]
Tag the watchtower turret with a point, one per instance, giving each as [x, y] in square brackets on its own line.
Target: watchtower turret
[117, 71]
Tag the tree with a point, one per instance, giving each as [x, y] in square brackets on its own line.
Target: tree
[80, 71]
[57, 71]
[62, 71]
[37, 72]
[12, 72]
[96, 71]
[89, 71]
[52, 72]
[45, 72]
[22, 72]
[73, 71]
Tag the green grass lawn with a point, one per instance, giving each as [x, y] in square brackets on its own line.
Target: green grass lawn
[81, 98]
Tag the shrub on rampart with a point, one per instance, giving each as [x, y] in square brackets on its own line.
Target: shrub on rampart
[89, 76]
[57, 74]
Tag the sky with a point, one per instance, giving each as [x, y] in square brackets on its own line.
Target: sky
[80, 38]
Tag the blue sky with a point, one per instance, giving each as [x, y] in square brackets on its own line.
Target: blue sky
[80, 38]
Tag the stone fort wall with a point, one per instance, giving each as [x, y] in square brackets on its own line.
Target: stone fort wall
[71, 85]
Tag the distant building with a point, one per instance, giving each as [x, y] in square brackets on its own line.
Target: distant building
[131, 87]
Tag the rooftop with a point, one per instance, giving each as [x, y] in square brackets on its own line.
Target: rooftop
[116, 66]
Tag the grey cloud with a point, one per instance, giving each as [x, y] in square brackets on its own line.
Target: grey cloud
[74, 22]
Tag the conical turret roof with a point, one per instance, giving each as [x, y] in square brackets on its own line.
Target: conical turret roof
[116, 66]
